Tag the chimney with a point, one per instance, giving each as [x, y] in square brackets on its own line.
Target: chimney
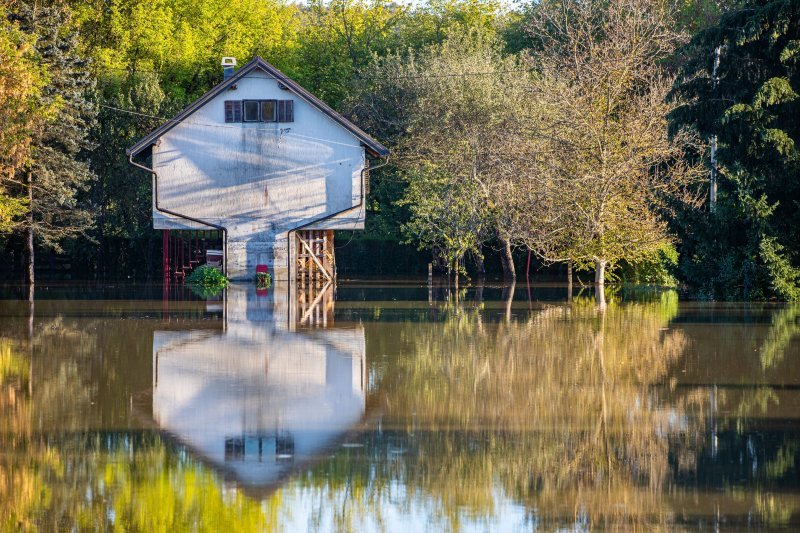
[228, 66]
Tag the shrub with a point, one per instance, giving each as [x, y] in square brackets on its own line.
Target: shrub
[207, 280]
[263, 280]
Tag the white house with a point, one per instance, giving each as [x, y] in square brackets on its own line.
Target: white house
[258, 171]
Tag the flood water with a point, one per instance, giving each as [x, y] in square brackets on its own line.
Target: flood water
[394, 408]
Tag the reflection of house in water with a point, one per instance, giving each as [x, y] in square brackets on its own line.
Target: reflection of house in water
[256, 399]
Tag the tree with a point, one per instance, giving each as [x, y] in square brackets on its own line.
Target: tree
[183, 42]
[20, 85]
[469, 105]
[747, 248]
[338, 41]
[448, 215]
[58, 172]
[604, 167]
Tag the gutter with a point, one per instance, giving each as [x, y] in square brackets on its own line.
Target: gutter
[187, 217]
[307, 224]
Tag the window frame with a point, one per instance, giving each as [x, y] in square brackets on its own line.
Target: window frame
[244, 110]
[274, 110]
[282, 110]
[233, 111]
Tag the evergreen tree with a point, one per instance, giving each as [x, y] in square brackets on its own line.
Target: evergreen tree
[58, 172]
[749, 247]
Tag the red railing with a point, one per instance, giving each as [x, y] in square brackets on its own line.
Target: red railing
[183, 250]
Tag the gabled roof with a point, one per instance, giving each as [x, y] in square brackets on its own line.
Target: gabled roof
[374, 147]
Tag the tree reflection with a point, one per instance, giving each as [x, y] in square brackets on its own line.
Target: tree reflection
[563, 410]
[18, 486]
[785, 328]
[574, 412]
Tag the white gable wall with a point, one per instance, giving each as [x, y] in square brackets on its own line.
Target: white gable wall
[259, 180]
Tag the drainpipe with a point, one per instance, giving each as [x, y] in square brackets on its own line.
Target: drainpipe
[187, 217]
[303, 226]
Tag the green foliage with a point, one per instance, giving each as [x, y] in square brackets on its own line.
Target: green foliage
[656, 268]
[11, 208]
[784, 278]
[455, 180]
[183, 42]
[263, 280]
[750, 247]
[447, 215]
[207, 281]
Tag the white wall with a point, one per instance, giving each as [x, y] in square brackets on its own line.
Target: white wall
[259, 180]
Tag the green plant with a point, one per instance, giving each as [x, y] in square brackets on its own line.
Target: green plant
[263, 280]
[207, 281]
[655, 268]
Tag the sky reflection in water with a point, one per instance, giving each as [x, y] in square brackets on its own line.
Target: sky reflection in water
[396, 409]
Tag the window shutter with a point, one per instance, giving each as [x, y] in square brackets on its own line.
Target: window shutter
[280, 111]
[233, 110]
[285, 110]
[289, 110]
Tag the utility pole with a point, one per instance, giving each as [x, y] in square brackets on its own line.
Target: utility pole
[713, 180]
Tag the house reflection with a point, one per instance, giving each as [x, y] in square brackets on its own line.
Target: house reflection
[258, 399]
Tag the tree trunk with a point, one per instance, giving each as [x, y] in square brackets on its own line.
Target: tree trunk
[479, 290]
[509, 273]
[600, 296]
[30, 340]
[569, 281]
[455, 277]
[600, 272]
[479, 267]
[509, 298]
[528, 268]
[599, 282]
[30, 229]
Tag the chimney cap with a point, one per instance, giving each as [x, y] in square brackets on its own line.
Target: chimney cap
[228, 61]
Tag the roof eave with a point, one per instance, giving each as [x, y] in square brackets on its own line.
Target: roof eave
[380, 152]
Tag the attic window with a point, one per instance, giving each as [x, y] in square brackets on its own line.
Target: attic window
[268, 110]
[233, 111]
[251, 109]
[259, 111]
